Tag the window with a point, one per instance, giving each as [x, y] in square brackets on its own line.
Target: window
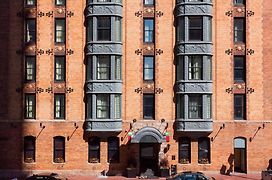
[239, 106]
[89, 106]
[180, 29]
[149, 30]
[239, 69]
[60, 2]
[30, 30]
[180, 106]
[59, 149]
[184, 150]
[239, 30]
[149, 2]
[117, 106]
[29, 149]
[59, 68]
[103, 28]
[103, 67]
[239, 2]
[118, 29]
[195, 28]
[209, 106]
[90, 29]
[148, 106]
[113, 149]
[195, 0]
[103, 0]
[60, 31]
[30, 68]
[102, 106]
[30, 2]
[204, 150]
[94, 150]
[118, 68]
[30, 106]
[195, 107]
[180, 68]
[59, 106]
[195, 67]
[149, 68]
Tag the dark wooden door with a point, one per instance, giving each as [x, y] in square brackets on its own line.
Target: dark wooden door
[149, 157]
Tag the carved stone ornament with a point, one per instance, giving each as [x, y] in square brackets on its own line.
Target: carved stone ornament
[104, 49]
[194, 48]
[104, 10]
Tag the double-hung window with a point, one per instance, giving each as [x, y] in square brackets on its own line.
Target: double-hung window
[30, 2]
[239, 106]
[149, 2]
[184, 150]
[149, 68]
[102, 106]
[239, 2]
[94, 150]
[113, 149]
[148, 106]
[59, 68]
[59, 106]
[204, 150]
[104, 28]
[103, 67]
[239, 30]
[195, 28]
[239, 69]
[30, 106]
[60, 31]
[195, 106]
[149, 30]
[60, 2]
[29, 149]
[30, 68]
[195, 67]
[30, 34]
[59, 149]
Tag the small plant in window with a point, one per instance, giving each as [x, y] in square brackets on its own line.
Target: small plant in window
[59, 160]
[29, 160]
[184, 161]
[203, 161]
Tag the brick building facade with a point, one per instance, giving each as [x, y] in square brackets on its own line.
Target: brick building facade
[100, 85]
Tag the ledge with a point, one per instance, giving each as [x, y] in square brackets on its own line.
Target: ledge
[102, 125]
[198, 9]
[193, 47]
[104, 9]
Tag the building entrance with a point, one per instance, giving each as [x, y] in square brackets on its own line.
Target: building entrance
[149, 153]
[240, 155]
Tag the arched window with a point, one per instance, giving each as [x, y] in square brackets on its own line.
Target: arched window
[29, 149]
[94, 150]
[59, 149]
[184, 150]
[113, 149]
[204, 150]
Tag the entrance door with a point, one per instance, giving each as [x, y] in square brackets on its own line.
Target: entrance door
[240, 155]
[149, 157]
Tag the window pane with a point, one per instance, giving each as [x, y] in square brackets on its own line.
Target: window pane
[180, 29]
[180, 68]
[180, 106]
[31, 2]
[148, 68]
[195, 67]
[30, 68]
[239, 68]
[60, 68]
[118, 29]
[59, 106]
[148, 30]
[103, 67]
[102, 106]
[239, 30]
[118, 69]
[90, 29]
[209, 68]
[60, 2]
[117, 106]
[94, 150]
[209, 29]
[195, 28]
[89, 106]
[113, 149]
[203, 150]
[148, 105]
[60, 30]
[30, 106]
[239, 2]
[184, 150]
[195, 107]
[103, 28]
[30, 30]
[239, 106]
[209, 106]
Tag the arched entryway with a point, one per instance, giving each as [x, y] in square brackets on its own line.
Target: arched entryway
[240, 155]
[149, 139]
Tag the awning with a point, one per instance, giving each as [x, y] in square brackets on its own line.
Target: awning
[148, 135]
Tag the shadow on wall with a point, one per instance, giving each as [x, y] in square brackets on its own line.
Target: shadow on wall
[269, 167]
[224, 169]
